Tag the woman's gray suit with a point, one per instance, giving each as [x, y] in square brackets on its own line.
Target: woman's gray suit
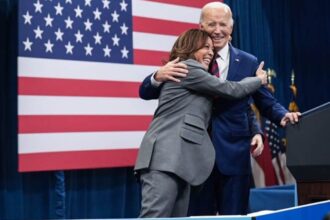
[177, 140]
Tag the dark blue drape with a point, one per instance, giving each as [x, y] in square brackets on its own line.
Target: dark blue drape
[288, 35]
[285, 34]
[310, 22]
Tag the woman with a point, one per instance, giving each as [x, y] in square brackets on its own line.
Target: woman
[176, 152]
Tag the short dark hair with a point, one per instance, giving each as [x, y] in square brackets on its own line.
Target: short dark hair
[188, 43]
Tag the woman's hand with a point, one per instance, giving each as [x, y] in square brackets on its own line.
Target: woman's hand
[262, 73]
[172, 71]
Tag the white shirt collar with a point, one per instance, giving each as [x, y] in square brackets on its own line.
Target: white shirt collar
[224, 52]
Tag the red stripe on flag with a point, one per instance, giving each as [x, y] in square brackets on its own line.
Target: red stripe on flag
[77, 160]
[81, 123]
[148, 57]
[193, 3]
[265, 162]
[74, 87]
[157, 26]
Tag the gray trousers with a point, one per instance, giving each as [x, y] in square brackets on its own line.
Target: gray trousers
[163, 195]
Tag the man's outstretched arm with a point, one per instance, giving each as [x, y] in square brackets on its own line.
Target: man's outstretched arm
[148, 91]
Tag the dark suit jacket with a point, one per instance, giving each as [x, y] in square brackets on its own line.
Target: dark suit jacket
[232, 122]
[231, 125]
[177, 140]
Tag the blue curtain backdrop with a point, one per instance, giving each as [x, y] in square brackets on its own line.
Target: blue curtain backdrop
[266, 34]
[310, 22]
[286, 34]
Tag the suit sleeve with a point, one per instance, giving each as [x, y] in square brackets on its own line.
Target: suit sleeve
[268, 106]
[201, 81]
[147, 91]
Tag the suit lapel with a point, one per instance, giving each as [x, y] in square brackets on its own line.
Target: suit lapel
[234, 63]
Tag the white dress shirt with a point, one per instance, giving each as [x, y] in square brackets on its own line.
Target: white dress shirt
[223, 62]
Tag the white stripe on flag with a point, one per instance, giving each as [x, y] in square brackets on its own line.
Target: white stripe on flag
[78, 141]
[155, 42]
[165, 11]
[59, 105]
[68, 69]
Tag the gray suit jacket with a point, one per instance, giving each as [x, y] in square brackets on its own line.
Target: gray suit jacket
[177, 140]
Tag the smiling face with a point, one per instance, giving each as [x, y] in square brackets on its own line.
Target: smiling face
[193, 44]
[216, 19]
[205, 54]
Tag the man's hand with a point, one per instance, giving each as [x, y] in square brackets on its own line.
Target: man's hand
[171, 71]
[257, 145]
[262, 73]
[292, 117]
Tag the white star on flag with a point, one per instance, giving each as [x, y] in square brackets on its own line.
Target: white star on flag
[49, 20]
[68, 23]
[88, 25]
[49, 46]
[106, 4]
[38, 32]
[27, 44]
[124, 52]
[58, 9]
[106, 27]
[115, 16]
[88, 49]
[78, 12]
[123, 6]
[107, 51]
[124, 29]
[97, 38]
[69, 48]
[79, 36]
[115, 40]
[88, 2]
[27, 18]
[38, 7]
[59, 34]
[97, 14]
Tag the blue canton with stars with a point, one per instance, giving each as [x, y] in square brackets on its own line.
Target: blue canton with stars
[274, 141]
[98, 30]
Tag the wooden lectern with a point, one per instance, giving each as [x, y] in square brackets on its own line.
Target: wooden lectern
[308, 154]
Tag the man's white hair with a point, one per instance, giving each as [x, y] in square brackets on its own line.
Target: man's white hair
[217, 5]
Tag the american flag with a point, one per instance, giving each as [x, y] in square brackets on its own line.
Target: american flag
[276, 149]
[270, 168]
[79, 68]
[278, 152]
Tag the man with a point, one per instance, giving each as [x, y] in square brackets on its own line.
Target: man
[233, 124]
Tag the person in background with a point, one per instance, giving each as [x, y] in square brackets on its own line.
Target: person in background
[234, 127]
[176, 151]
